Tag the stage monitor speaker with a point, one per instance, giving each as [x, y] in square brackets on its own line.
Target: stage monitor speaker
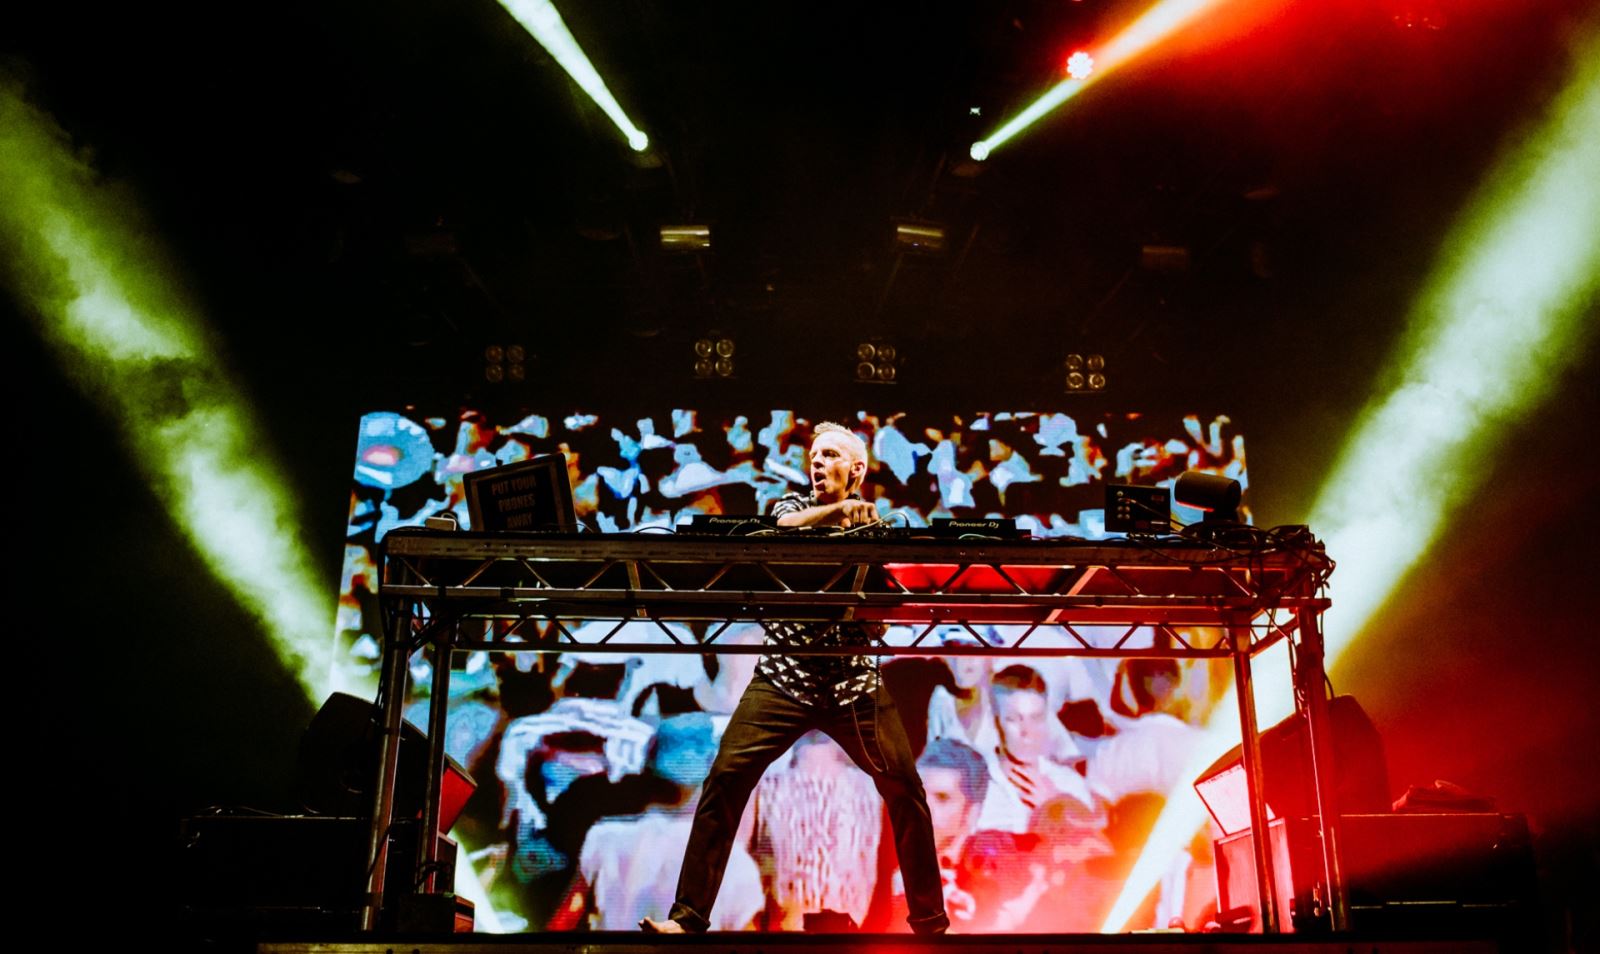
[1448, 875]
[1361, 778]
[338, 765]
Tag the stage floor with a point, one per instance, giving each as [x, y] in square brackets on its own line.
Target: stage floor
[743, 943]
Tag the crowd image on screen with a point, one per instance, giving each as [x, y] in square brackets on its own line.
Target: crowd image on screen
[1043, 775]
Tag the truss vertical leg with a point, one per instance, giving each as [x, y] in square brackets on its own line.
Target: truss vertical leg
[1250, 748]
[393, 687]
[1309, 677]
[438, 711]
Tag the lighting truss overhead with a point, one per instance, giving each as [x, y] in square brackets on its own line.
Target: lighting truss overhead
[541, 19]
[1514, 287]
[83, 265]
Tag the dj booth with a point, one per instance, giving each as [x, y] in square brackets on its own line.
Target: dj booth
[1231, 595]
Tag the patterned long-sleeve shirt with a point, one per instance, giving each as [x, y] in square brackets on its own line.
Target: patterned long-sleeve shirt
[816, 680]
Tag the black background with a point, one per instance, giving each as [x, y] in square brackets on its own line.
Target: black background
[1331, 139]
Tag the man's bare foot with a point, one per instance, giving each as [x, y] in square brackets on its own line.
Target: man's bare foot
[660, 927]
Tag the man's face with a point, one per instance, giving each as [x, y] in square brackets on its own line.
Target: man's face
[970, 672]
[834, 467]
[1024, 723]
[951, 812]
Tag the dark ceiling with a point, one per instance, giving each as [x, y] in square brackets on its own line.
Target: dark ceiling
[378, 190]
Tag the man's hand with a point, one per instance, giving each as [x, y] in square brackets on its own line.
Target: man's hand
[856, 513]
[1031, 783]
[844, 513]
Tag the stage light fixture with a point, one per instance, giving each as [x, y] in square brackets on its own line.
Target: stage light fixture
[685, 238]
[1085, 372]
[87, 269]
[503, 363]
[877, 362]
[713, 356]
[1096, 363]
[1164, 259]
[1213, 494]
[1080, 65]
[1418, 14]
[866, 353]
[541, 19]
[1514, 284]
[919, 237]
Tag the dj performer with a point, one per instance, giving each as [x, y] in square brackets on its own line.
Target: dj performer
[841, 695]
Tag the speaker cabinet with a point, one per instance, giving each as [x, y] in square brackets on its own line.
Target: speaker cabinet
[338, 765]
[1444, 875]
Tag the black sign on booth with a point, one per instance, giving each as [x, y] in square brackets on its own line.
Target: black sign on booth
[534, 494]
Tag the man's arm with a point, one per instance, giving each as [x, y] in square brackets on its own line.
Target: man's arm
[845, 513]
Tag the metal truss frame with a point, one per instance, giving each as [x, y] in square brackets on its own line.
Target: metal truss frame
[657, 593]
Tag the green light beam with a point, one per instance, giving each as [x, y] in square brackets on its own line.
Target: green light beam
[1060, 93]
[541, 19]
[1508, 308]
[1156, 23]
[116, 319]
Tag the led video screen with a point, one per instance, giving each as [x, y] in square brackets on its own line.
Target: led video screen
[589, 766]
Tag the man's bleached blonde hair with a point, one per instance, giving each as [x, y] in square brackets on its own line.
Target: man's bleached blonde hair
[857, 445]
